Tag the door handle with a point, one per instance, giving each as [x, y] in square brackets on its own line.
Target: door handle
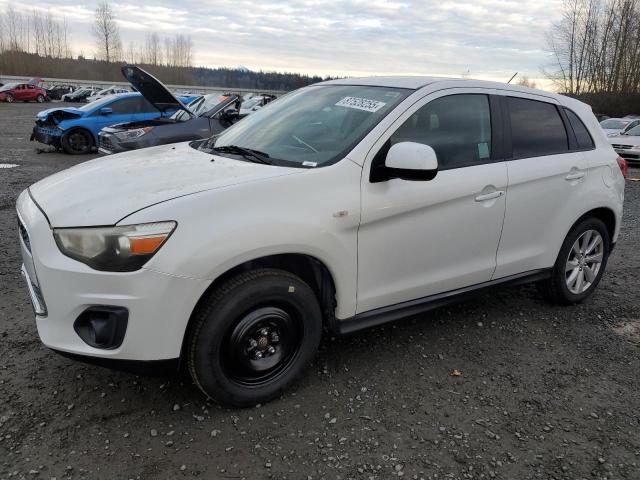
[489, 196]
[574, 174]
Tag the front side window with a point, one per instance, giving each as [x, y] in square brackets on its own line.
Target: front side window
[457, 127]
[313, 126]
[536, 128]
[126, 105]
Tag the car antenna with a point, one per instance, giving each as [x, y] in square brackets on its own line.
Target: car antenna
[514, 76]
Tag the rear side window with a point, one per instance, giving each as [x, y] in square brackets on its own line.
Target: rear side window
[457, 127]
[585, 142]
[536, 128]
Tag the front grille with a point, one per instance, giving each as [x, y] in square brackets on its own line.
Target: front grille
[617, 146]
[24, 235]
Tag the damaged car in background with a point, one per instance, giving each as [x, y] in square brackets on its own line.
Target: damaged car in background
[75, 129]
[205, 116]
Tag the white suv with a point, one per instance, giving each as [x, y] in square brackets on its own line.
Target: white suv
[340, 206]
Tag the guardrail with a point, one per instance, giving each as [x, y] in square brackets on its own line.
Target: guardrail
[180, 88]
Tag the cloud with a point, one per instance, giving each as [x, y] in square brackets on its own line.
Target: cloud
[488, 38]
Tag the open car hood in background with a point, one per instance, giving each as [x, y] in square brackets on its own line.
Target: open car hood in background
[152, 89]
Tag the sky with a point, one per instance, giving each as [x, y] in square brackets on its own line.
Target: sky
[484, 39]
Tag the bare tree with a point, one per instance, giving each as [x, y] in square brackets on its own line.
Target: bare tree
[13, 25]
[524, 81]
[153, 49]
[596, 47]
[107, 33]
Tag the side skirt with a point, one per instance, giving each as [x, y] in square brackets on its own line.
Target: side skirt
[395, 312]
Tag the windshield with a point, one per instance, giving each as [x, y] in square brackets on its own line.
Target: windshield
[314, 125]
[252, 102]
[633, 132]
[614, 124]
[198, 106]
[96, 104]
[8, 86]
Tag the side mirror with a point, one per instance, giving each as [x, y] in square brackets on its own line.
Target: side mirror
[411, 161]
[106, 111]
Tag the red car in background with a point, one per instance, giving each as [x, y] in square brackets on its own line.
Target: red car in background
[22, 92]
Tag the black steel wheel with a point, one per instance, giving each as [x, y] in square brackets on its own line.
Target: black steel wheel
[77, 142]
[261, 345]
[253, 337]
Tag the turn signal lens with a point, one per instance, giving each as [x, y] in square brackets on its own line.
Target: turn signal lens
[145, 246]
[115, 249]
[624, 168]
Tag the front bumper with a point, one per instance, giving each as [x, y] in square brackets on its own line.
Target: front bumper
[159, 304]
[48, 136]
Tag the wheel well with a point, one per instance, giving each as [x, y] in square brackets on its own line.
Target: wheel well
[311, 270]
[83, 129]
[606, 216]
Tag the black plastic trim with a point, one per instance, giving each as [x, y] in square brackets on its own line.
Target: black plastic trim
[497, 129]
[142, 367]
[395, 312]
[117, 319]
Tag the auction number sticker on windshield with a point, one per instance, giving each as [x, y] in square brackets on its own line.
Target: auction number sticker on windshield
[361, 104]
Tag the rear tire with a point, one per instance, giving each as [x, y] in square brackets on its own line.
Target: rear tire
[77, 142]
[253, 337]
[580, 263]
[40, 99]
[9, 98]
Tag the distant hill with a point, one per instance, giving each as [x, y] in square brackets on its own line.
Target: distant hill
[29, 64]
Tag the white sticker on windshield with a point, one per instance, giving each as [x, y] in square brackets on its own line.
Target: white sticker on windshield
[361, 104]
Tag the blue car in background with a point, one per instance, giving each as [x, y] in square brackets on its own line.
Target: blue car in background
[76, 130]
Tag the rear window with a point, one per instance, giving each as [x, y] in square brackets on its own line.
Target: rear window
[536, 128]
[585, 142]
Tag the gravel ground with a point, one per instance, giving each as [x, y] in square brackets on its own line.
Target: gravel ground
[544, 391]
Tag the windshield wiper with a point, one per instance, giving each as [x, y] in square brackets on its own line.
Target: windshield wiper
[248, 153]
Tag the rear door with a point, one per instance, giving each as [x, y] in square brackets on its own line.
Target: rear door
[547, 173]
[31, 93]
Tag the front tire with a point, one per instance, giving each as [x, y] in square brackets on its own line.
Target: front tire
[77, 142]
[253, 337]
[40, 99]
[9, 98]
[580, 263]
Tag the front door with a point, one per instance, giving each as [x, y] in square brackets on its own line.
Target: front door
[419, 238]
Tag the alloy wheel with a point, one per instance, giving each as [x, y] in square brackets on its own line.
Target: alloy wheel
[584, 262]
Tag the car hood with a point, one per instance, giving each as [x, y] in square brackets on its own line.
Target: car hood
[105, 190]
[70, 110]
[152, 89]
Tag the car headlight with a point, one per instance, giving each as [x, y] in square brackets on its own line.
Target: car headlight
[114, 249]
[135, 133]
